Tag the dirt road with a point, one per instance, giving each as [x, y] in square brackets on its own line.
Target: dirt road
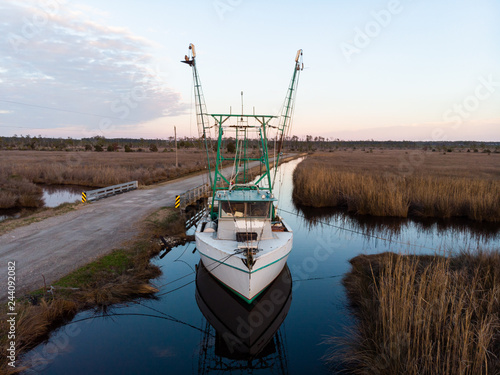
[58, 245]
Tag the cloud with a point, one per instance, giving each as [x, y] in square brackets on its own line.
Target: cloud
[55, 56]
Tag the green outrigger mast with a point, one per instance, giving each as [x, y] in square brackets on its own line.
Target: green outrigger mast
[201, 108]
[241, 147]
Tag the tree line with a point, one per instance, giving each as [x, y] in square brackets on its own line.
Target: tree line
[294, 143]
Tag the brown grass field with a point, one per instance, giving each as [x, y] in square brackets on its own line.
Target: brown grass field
[402, 183]
[21, 170]
[422, 315]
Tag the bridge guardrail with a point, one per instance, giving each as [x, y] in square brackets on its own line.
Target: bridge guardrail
[108, 191]
[192, 195]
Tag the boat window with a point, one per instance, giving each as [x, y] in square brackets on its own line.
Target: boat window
[242, 209]
[232, 209]
[258, 209]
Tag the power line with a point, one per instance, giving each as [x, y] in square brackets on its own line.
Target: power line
[153, 135]
[173, 290]
[23, 127]
[58, 109]
[360, 233]
[164, 317]
[318, 278]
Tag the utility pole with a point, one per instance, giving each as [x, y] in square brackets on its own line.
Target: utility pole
[176, 159]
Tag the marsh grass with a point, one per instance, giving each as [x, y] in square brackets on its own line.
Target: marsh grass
[451, 187]
[21, 170]
[120, 276]
[166, 222]
[422, 315]
[16, 191]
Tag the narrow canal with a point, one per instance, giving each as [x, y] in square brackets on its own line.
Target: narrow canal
[53, 196]
[189, 328]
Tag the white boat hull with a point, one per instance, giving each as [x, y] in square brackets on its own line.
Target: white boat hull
[222, 260]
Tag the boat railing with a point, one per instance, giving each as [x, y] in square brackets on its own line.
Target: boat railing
[233, 186]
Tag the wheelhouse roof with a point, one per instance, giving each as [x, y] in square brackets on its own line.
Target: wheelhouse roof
[244, 196]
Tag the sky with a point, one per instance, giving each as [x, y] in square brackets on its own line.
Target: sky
[382, 70]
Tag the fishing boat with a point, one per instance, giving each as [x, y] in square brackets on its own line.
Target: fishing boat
[241, 240]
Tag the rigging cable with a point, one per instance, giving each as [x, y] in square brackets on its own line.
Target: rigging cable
[207, 267]
[361, 233]
[135, 314]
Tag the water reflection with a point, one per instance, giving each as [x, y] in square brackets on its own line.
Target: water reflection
[56, 195]
[9, 213]
[393, 227]
[53, 196]
[238, 336]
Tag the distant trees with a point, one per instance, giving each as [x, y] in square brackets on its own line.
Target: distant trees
[231, 147]
[292, 143]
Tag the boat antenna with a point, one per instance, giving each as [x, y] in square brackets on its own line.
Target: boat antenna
[242, 106]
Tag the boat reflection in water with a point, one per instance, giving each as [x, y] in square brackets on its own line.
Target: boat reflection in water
[241, 336]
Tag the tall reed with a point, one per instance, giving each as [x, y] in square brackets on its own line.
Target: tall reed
[425, 193]
[423, 315]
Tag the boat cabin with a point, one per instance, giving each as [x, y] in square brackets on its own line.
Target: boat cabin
[244, 215]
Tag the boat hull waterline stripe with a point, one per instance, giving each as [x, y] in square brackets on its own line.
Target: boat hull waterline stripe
[240, 269]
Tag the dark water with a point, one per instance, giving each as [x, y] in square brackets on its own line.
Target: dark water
[9, 213]
[192, 330]
[53, 196]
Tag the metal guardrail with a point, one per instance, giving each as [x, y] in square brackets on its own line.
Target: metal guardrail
[192, 195]
[193, 220]
[108, 191]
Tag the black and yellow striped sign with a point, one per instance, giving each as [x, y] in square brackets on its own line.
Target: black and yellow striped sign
[84, 197]
[177, 201]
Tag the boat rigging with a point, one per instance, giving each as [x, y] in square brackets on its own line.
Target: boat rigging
[242, 241]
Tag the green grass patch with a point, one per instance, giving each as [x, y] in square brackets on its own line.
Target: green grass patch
[108, 266]
[167, 221]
